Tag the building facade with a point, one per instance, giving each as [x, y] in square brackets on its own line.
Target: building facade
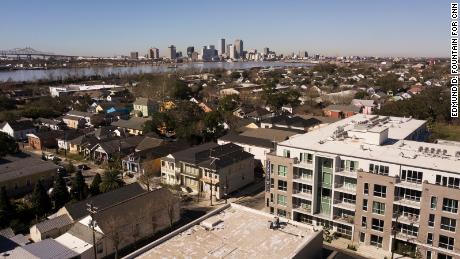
[372, 180]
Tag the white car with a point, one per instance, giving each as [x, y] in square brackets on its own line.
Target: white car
[50, 157]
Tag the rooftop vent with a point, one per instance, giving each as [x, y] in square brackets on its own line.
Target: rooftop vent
[420, 149]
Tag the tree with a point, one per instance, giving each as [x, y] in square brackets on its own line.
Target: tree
[79, 188]
[70, 168]
[41, 202]
[111, 180]
[181, 90]
[360, 95]
[6, 209]
[7, 145]
[148, 174]
[60, 195]
[94, 187]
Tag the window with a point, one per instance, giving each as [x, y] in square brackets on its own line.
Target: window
[450, 205]
[434, 201]
[282, 200]
[306, 158]
[282, 185]
[429, 239]
[282, 170]
[362, 237]
[272, 183]
[377, 224]
[348, 165]
[412, 176]
[271, 197]
[378, 207]
[364, 222]
[446, 242]
[365, 204]
[431, 220]
[272, 210]
[443, 256]
[428, 254]
[376, 241]
[366, 188]
[286, 153]
[451, 182]
[448, 224]
[380, 190]
[379, 169]
[410, 194]
[282, 213]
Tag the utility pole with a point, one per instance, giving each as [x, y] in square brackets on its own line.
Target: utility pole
[210, 196]
[92, 211]
[226, 188]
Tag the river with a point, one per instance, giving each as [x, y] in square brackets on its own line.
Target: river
[62, 73]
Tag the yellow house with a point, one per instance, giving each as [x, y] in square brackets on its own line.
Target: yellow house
[167, 105]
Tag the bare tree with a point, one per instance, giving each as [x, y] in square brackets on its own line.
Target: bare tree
[146, 177]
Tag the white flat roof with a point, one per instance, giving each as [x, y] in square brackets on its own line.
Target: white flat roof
[73, 243]
[396, 151]
[239, 232]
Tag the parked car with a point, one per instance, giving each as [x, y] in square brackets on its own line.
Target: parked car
[50, 157]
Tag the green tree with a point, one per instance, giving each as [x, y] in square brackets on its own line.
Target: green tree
[7, 145]
[94, 187]
[6, 209]
[41, 202]
[60, 194]
[360, 95]
[70, 168]
[79, 188]
[229, 103]
[389, 82]
[181, 91]
[111, 180]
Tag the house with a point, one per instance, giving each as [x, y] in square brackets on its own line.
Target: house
[134, 126]
[366, 106]
[105, 151]
[135, 162]
[63, 141]
[20, 173]
[341, 111]
[292, 122]
[43, 140]
[118, 109]
[45, 249]
[259, 114]
[18, 129]
[229, 91]
[209, 168]
[74, 122]
[167, 105]
[53, 124]
[416, 89]
[127, 214]
[205, 107]
[145, 106]
[50, 228]
[85, 115]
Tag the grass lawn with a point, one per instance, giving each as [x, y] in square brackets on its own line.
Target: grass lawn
[445, 131]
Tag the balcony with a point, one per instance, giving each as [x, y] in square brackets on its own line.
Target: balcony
[407, 218]
[416, 185]
[345, 204]
[303, 178]
[345, 188]
[346, 173]
[347, 219]
[303, 164]
[303, 194]
[406, 235]
[302, 207]
[401, 200]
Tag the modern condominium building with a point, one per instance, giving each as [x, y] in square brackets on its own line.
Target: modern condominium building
[372, 180]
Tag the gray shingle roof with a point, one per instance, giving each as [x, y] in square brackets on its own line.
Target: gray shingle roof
[13, 167]
[54, 223]
[50, 249]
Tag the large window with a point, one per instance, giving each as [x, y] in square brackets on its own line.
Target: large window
[451, 182]
[282, 200]
[446, 242]
[282, 170]
[448, 224]
[450, 205]
[366, 188]
[364, 204]
[412, 176]
[429, 239]
[410, 194]
[431, 220]
[434, 202]
[379, 169]
[377, 224]
[378, 207]
[376, 241]
[380, 190]
[304, 174]
[306, 158]
[287, 153]
[349, 165]
[282, 185]
[364, 222]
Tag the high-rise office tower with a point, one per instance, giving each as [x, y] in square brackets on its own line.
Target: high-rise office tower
[190, 51]
[239, 48]
[172, 52]
[303, 54]
[232, 51]
[266, 51]
[134, 55]
[154, 53]
[222, 46]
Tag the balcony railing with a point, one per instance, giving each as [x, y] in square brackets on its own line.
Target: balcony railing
[303, 193]
[345, 203]
[343, 187]
[409, 218]
[346, 172]
[345, 218]
[305, 178]
[303, 207]
[407, 201]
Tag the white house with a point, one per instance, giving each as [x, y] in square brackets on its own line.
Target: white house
[18, 129]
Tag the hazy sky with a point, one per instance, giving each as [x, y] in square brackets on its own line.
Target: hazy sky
[337, 27]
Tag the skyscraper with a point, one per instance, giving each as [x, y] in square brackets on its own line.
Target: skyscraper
[222, 46]
[154, 53]
[239, 48]
[231, 51]
[190, 51]
[134, 55]
[266, 51]
[172, 52]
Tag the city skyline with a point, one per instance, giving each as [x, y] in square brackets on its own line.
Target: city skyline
[411, 28]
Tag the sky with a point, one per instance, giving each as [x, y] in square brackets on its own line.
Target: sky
[333, 28]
